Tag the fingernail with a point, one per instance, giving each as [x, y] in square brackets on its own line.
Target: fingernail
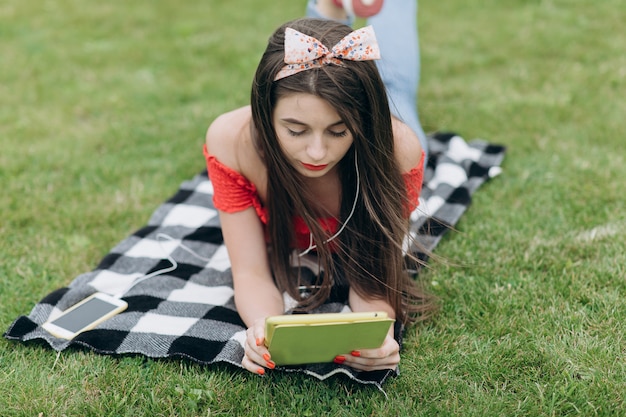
[339, 359]
[260, 371]
[271, 365]
[355, 353]
[266, 356]
[259, 341]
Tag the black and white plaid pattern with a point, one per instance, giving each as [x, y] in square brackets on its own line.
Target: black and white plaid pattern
[190, 312]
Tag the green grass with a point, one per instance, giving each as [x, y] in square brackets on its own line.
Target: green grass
[103, 108]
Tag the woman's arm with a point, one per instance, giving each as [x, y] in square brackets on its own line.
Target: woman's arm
[407, 147]
[256, 296]
[408, 153]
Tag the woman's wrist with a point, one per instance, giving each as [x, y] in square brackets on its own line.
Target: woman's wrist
[361, 304]
[254, 306]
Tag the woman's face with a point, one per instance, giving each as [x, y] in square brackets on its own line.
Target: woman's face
[311, 133]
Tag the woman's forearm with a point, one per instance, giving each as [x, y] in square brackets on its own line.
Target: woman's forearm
[256, 302]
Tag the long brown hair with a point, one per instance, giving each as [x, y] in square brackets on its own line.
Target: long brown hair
[368, 253]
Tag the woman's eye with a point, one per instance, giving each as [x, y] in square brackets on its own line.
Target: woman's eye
[295, 133]
[339, 134]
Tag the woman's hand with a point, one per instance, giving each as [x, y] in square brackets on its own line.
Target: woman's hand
[385, 357]
[256, 357]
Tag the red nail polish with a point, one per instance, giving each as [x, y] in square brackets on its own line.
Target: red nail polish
[339, 359]
[260, 371]
[271, 365]
[259, 341]
[266, 356]
[355, 353]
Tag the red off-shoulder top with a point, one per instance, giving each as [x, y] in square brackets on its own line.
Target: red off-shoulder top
[232, 192]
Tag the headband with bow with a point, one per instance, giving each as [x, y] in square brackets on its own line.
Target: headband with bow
[303, 52]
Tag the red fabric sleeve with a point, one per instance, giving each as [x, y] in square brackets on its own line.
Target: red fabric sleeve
[413, 181]
[232, 192]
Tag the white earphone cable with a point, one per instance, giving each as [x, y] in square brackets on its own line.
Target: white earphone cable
[170, 258]
[343, 226]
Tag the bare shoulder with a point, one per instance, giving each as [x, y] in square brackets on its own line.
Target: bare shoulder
[228, 135]
[408, 150]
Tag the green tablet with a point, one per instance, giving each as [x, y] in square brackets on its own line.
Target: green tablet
[313, 338]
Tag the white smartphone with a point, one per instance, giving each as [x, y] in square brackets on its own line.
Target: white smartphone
[85, 315]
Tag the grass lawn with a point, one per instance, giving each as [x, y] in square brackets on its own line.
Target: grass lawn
[103, 109]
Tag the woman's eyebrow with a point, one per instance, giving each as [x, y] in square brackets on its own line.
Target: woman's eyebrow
[292, 121]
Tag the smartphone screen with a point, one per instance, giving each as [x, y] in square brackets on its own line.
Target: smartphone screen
[85, 315]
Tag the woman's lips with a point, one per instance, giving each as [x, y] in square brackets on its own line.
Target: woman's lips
[314, 167]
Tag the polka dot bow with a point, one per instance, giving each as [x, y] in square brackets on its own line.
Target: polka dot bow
[303, 52]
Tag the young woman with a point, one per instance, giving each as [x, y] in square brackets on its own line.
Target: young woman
[317, 168]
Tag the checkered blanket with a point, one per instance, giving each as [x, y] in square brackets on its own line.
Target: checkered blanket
[189, 311]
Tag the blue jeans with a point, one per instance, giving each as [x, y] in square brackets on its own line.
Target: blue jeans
[396, 32]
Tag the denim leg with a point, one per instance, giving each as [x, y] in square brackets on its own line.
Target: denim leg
[311, 11]
[396, 31]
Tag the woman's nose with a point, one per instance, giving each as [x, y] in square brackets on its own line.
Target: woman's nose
[316, 149]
